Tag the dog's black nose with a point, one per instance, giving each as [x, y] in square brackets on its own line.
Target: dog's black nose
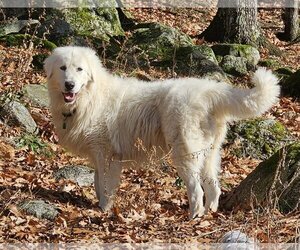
[69, 85]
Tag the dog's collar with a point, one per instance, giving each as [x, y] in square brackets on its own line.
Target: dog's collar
[66, 115]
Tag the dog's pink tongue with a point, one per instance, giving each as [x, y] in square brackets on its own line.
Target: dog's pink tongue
[69, 97]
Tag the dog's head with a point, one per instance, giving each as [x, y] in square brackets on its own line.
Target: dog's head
[70, 69]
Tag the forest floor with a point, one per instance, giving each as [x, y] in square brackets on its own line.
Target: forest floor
[150, 206]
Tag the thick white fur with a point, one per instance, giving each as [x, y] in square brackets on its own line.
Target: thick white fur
[186, 117]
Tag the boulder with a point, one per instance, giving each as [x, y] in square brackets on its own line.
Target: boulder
[234, 65]
[248, 52]
[195, 52]
[80, 26]
[15, 26]
[39, 209]
[274, 183]
[82, 175]
[269, 63]
[257, 138]
[37, 94]
[196, 61]
[158, 41]
[16, 114]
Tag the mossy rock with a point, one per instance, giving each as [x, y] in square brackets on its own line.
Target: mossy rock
[196, 61]
[81, 26]
[248, 52]
[159, 41]
[291, 85]
[100, 23]
[269, 63]
[234, 65]
[284, 71]
[258, 138]
[194, 52]
[274, 183]
[20, 39]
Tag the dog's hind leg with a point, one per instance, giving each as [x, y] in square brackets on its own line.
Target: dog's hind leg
[210, 182]
[189, 172]
[211, 168]
[107, 180]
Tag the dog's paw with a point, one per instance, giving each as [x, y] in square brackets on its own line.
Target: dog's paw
[196, 213]
[212, 206]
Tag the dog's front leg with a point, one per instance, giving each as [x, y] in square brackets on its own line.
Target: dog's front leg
[107, 179]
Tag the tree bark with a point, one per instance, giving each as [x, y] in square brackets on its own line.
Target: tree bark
[275, 183]
[291, 23]
[238, 25]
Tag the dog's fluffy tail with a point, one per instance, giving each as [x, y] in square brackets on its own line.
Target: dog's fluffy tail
[247, 103]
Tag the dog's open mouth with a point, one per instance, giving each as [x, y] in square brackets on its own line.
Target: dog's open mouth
[69, 97]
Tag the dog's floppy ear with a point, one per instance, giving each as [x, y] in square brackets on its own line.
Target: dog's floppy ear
[95, 64]
[48, 65]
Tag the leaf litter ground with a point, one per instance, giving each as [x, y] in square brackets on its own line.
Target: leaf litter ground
[151, 206]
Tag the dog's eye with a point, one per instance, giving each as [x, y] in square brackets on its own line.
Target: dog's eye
[63, 67]
[79, 69]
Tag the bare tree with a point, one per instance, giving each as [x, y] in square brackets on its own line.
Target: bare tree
[234, 24]
[291, 20]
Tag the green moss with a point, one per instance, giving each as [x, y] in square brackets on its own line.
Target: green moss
[250, 53]
[20, 39]
[284, 71]
[258, 138]
[102, 23]
[269, 63]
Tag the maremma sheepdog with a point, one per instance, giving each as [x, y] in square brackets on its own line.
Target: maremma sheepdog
[102, 117]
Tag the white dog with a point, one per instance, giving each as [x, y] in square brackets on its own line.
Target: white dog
[101, 116]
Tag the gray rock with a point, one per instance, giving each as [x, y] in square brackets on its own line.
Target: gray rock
[195, 52]
[237, 240]
[76, 25]
[39, 209]
[233, 65]
[15, 26]
[198, 61]
[236, 237]
[159, 41]
[248, 52]
[16, 114]
[82, 175]
[257, 138]
[38, 94]
[55, 29]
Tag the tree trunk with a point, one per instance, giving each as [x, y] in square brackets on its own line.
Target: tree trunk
[275, 183]
[291, 23]
[237, 25]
